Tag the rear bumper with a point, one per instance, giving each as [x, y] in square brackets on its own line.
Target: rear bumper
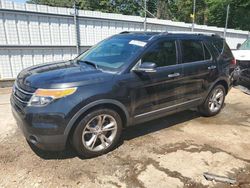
[52, 141]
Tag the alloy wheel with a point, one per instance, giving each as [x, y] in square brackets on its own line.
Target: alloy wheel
[99, 132]
[216, 100]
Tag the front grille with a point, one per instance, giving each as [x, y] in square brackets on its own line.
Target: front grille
[21, 95]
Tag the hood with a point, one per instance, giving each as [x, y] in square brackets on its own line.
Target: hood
[61, 75]
[242, 55]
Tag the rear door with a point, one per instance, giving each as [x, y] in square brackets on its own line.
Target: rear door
[199, 69]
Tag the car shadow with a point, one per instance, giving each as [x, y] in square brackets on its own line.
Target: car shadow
[68, 153]
[158, 124]
[244, 88]
[128, 134]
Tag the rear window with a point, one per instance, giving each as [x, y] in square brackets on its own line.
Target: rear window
[193, 51]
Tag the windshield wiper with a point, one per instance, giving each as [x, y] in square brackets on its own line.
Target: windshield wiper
[89, 63]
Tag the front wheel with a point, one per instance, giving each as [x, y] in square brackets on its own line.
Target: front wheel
[214, 102]
[97, 133]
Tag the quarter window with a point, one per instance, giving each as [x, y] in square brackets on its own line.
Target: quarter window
[218, 45]
[162, 54]
[223, 48]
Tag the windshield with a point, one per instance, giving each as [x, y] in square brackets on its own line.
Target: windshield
[113, 53]
[245, 45]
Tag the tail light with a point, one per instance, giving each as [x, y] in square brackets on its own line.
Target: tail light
[233, 61]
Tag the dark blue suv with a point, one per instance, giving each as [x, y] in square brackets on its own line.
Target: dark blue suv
[124, 80]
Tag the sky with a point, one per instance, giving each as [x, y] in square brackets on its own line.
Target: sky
[19, 1]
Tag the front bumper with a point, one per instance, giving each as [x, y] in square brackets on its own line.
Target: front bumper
[242, 76]
[44, 136]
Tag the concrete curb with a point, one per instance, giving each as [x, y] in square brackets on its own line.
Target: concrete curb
[6, 83]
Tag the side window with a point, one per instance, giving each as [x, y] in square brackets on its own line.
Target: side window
[218, 44]
[192, 51]
[226, 51]
[207, 54]
[162, 54]
[222, 48]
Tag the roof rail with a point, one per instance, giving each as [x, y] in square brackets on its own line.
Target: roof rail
[164, 33]
[194, 33]
[124, 32]
[171, 32]
[141, 32]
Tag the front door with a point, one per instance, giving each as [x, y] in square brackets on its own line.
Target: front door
[156, 92]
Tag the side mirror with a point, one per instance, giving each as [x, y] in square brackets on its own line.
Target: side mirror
[238, 46]
[146, 67]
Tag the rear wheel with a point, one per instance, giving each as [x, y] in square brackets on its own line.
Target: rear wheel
[97, 133]
[214, 102]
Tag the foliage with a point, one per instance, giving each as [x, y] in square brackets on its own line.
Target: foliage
[211, 12]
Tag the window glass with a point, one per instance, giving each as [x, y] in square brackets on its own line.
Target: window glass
[162, 54]
[227, 51]
[218, 45]
[245, 45]
[192, 51]
[111, 49]
[222, 48]
[206, 53]
[111, 54]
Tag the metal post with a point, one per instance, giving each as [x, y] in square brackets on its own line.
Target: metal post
[76, 29]
[145, 16]
[225, 29]
[193, 16]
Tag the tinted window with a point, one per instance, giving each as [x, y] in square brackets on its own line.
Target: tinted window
[162, 54]
[227, 51]
[218, 45]
[222, 48]
[206, 53]
[192, 51]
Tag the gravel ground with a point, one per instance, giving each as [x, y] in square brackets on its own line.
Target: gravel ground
[173, 151]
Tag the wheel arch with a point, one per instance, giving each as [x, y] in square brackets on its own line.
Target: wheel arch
[224, 84]
[220, 81]
[104, 103]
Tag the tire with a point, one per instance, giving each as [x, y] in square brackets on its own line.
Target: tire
[213, 105]
[97, 133]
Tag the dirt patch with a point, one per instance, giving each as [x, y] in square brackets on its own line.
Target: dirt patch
[174, 150]
[216, 163]
[152, 177]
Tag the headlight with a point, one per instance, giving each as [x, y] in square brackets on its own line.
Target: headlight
[43, 97]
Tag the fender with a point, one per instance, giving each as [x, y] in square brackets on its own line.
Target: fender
[224, 79]
[93, 104]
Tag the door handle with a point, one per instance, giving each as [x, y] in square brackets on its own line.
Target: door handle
[211, 67]
[174, 75]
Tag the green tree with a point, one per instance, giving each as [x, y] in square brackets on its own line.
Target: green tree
[61, 3]
[210, 12]
[129, 7]
[239, 13]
